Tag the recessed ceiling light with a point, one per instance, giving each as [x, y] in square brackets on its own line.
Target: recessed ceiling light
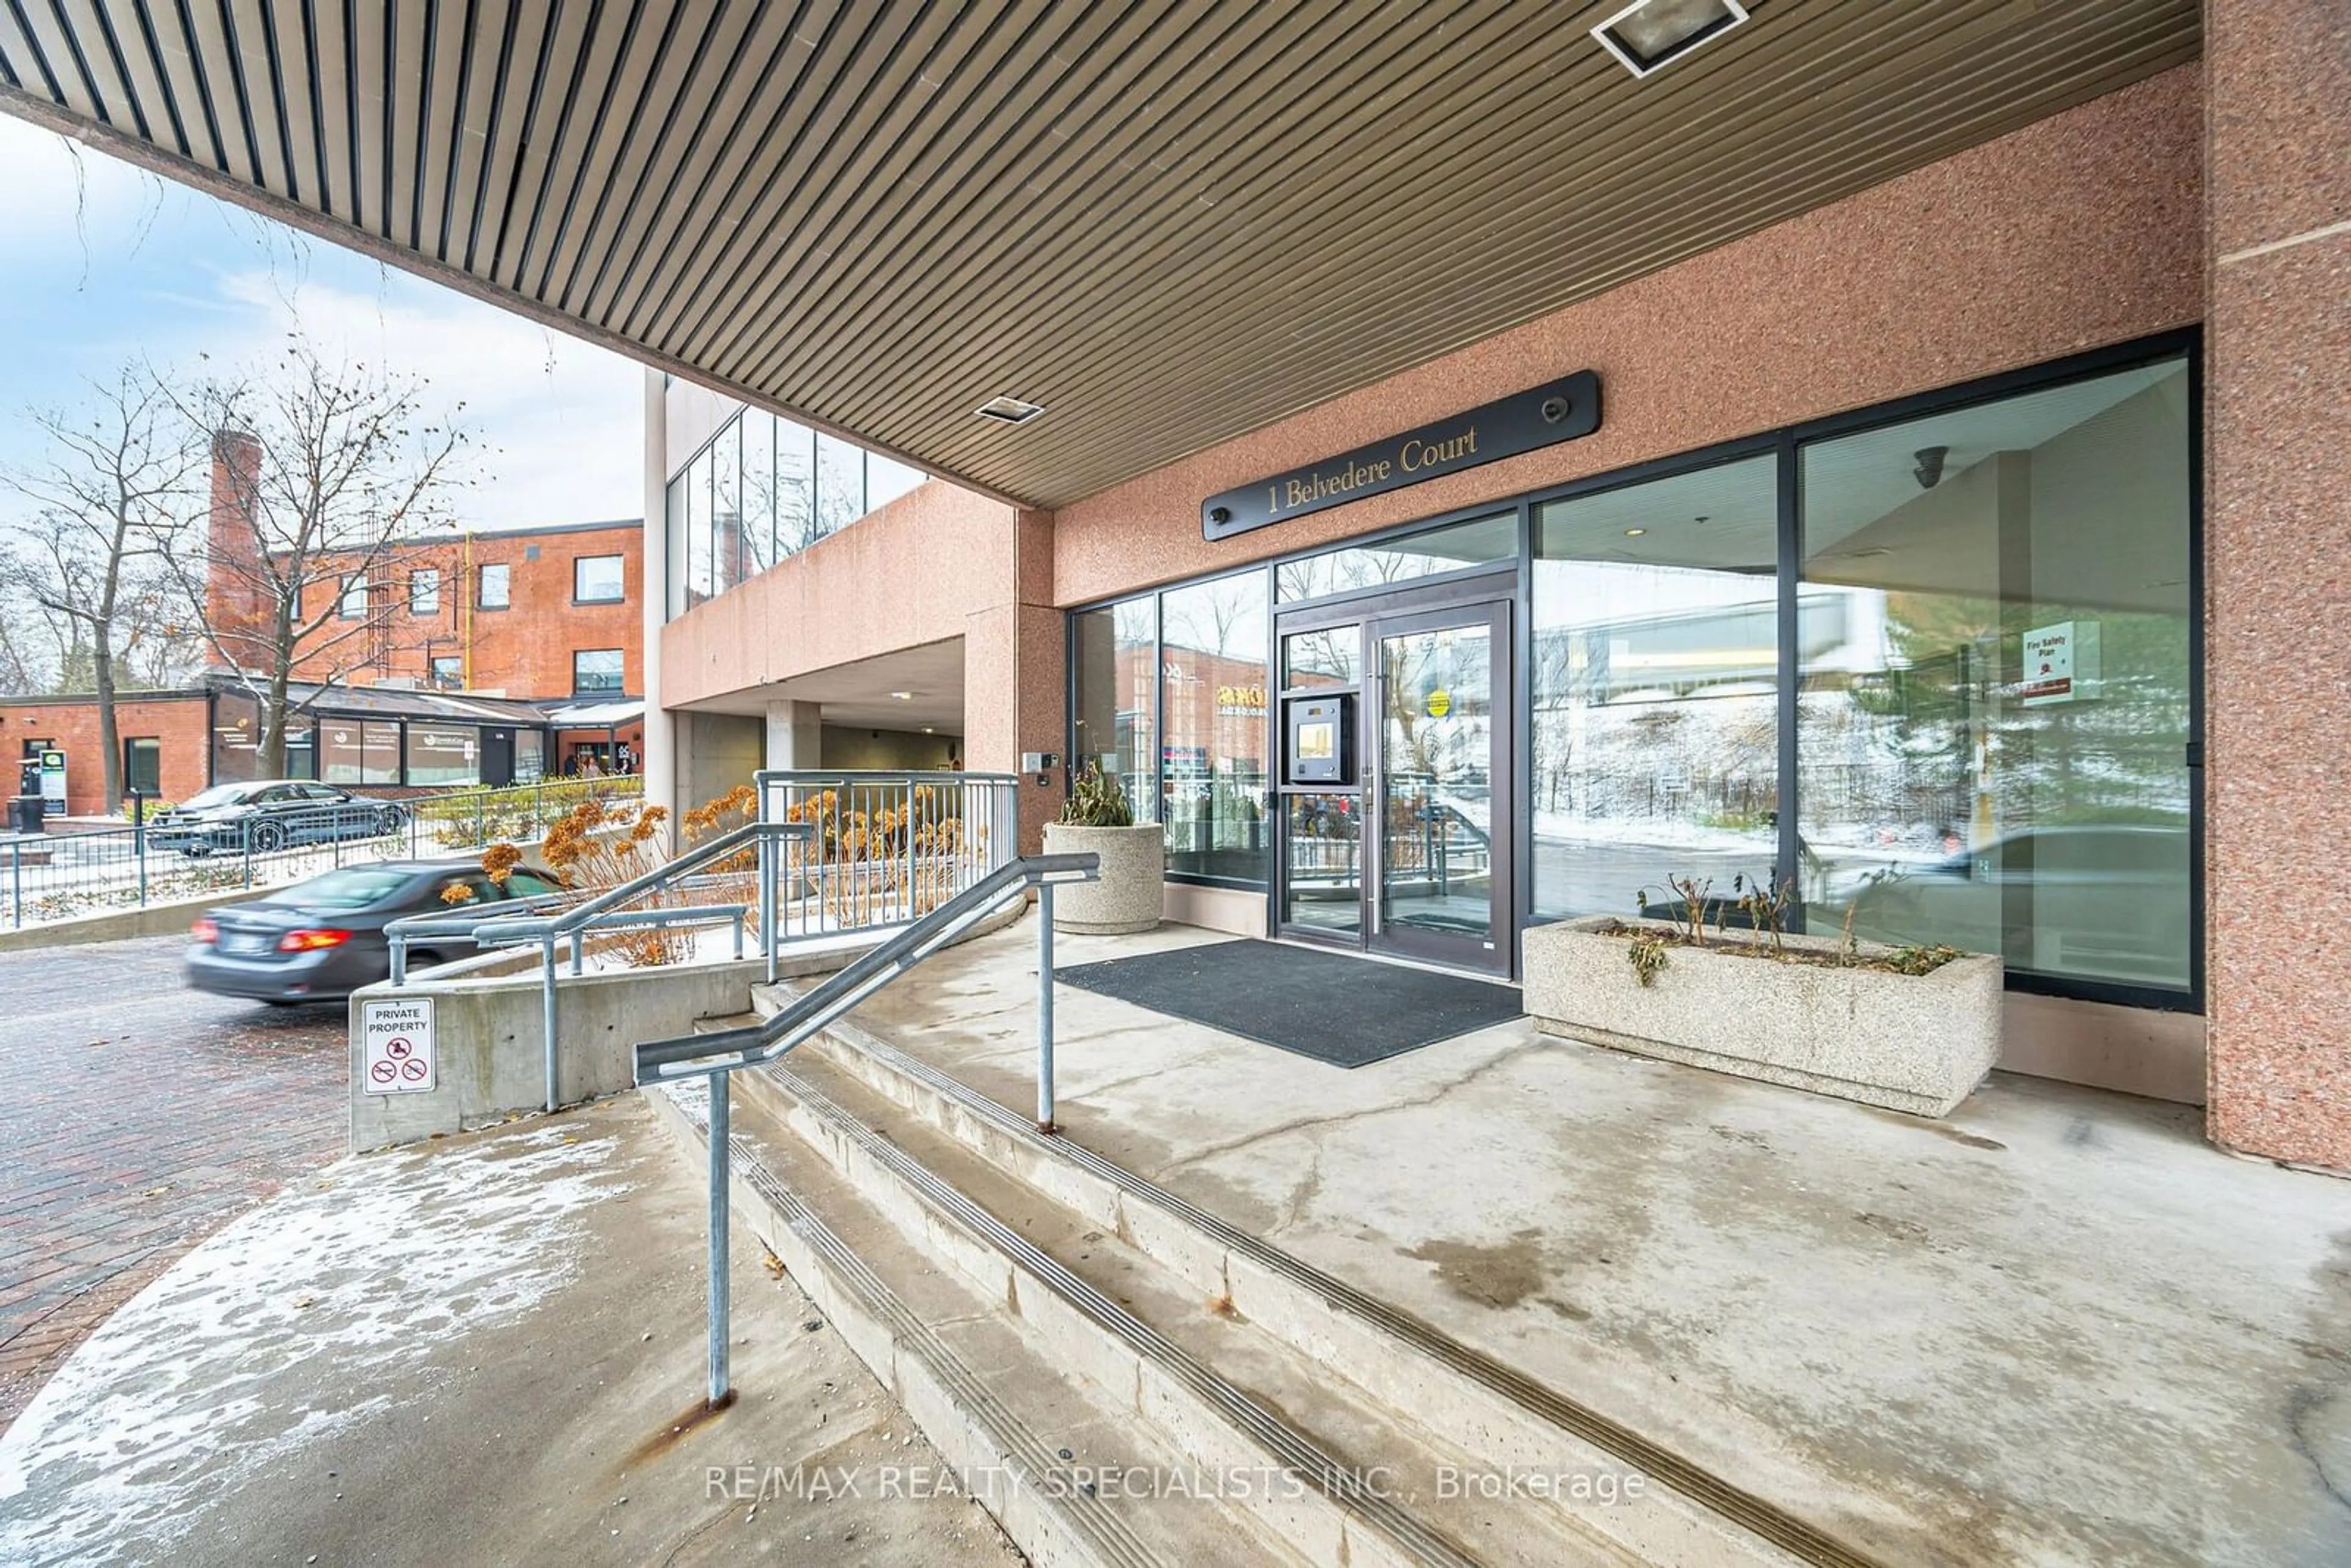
[930, 730]
[1009, 410]
[1649, 35]
[904, 697]
[1634, 533]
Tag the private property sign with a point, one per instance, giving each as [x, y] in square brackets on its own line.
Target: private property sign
[396, 1046]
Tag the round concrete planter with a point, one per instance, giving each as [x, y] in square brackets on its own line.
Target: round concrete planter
[1131, 894]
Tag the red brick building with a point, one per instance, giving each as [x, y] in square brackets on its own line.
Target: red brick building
[539, 615]
[500, 637]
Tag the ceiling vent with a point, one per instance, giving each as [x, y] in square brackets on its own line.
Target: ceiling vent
[1009, 410]
[1650, 34]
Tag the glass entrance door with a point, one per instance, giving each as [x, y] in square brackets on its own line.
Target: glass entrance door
[1439, 785]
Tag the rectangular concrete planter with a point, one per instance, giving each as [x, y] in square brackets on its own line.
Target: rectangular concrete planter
[1918, 1043]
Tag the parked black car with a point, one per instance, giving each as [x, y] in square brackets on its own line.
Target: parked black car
[271, 814]
[324, 938]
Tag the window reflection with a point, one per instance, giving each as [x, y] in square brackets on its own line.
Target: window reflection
[758, 492]
[1993, 748]
[1117, 658]
[1477, 542]
[727, 506]
[764, 489]
[1213, 769]
[1655, 672]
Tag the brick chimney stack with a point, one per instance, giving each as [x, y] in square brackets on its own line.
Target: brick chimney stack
[237, 608]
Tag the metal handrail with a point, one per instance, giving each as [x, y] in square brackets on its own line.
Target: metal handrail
[715, 1055]
[550, 932]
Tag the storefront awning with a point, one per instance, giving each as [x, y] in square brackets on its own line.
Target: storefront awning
[596, 715]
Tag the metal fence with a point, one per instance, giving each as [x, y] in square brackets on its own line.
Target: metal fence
[57, 875]
[885, 849]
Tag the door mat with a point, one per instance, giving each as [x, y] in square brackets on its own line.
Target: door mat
[1333, 1007]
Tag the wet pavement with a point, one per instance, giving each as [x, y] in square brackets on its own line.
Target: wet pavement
[137, 1117]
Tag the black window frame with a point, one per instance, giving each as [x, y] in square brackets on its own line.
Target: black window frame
[482, 585]
[1786, 443]
[416, 577]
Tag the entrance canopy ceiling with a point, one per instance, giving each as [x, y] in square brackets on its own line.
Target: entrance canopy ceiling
[1167, 224]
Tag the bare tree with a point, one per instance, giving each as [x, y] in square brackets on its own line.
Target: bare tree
[111, 495]
[321, 475]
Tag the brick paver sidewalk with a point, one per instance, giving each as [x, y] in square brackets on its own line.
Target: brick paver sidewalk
[136, 1116]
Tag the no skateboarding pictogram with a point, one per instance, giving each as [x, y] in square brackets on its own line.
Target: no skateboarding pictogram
[396, 1046]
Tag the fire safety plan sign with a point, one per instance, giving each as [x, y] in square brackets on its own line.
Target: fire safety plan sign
[396, 1046]
[2061, 663]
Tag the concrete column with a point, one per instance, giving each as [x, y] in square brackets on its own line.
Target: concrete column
[1015, 675]
[660, 762]
[2278, 621]
[795, 734]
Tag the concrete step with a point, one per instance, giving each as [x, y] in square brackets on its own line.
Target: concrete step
[1458, 1399]
[1026, 1440]
[1335, 1476]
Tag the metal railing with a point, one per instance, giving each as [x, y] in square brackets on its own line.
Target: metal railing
[715, 1055]
[886, 847]
[56, 876]
[606, 911]
[835, 853]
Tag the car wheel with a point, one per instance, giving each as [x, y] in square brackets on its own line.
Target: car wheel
[393, 820]
[267, 836]
[196, 851]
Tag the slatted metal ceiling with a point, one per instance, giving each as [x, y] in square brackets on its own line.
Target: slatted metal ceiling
[1169, 224]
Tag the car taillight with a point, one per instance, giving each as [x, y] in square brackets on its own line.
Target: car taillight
[205, 931]
[311, 941]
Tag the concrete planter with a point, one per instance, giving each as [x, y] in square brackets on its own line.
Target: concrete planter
[1918, 1043]
[1131, 895]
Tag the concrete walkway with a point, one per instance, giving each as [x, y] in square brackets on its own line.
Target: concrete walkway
[2056, 1328]
[476, 1351]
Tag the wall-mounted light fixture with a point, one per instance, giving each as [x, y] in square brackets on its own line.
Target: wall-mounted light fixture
[1650, 34]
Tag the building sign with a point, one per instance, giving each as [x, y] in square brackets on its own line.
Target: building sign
[1562, 411]
[396, 1047]
[2061, 663]
[1240, 702]
[53, 779]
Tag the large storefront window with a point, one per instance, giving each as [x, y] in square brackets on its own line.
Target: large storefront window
[1117, 671]
[359, 751]
[1213, 773]
[1993, 748]
[1983, 673]
[443, 754]
[1655, 737]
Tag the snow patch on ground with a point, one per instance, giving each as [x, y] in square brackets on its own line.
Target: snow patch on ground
[171, 1399]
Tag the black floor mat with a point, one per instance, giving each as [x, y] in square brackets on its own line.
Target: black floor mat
[1333, 1008]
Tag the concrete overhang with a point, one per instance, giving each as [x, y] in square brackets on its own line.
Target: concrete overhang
[1167, 224]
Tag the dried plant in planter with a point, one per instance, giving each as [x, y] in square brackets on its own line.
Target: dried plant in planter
[593, 849]
[1765, 908]
[883, 866]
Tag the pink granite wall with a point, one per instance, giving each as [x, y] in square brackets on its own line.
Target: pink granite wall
[2278, 585]
[1015, 679]
[2081, 230]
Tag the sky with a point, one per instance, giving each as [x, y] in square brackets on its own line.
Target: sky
[102, 263]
